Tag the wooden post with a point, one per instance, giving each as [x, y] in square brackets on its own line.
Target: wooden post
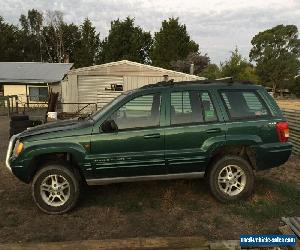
[27, 100]
[8, 106]
[17, 104]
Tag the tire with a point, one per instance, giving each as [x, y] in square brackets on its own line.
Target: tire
[21, 124]
[224, 183]
[42, 198]
[20, 118]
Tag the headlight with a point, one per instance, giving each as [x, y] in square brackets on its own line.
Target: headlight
[19, 146]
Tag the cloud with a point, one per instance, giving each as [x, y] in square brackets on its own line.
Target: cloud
[218, 26]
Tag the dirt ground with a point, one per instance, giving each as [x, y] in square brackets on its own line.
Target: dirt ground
[148, 209]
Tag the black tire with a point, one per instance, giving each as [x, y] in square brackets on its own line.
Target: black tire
[64, 174]
[216, 187]
[20, 118]
[21, 124]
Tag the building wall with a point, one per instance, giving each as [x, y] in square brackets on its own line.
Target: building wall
[56, 88]
[89, 84]
[19, 90]
[69, 91]
[133, 82]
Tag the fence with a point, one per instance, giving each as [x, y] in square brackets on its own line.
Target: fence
[293, 117]
[38, 110]
[8, 105]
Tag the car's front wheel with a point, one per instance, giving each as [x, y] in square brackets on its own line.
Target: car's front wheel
[55, 189]
[231, 178]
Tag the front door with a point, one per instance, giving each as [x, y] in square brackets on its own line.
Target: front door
[136, 147]
[194, 128]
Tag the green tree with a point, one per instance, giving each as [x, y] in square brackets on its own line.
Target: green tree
[276, 52]
[211, 72]
[31, 35]
[71, 37]
[53, 37]
[238, 68]
[199, 61]
[59, 39]
[171, 43]
[126, 41]
[294, 86]
[10, 49]
[88, 46]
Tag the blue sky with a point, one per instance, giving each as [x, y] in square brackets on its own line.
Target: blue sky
[217, 26]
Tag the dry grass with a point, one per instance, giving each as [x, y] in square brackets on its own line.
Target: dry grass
[147, 209]
[289, 103]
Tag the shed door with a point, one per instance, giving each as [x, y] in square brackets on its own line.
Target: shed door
[91, 89]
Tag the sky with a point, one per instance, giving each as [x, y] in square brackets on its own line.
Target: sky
[217, 26]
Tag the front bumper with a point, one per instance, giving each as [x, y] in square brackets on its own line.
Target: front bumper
[9, 151]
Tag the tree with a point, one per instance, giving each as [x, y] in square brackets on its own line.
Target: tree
[59, 39]
[294, 86]
[71, 37]
[199, 61]
[126, 41]
[31, 35]
[211, 72]
[276, 52]
[171, 43]
[238, 68]
[88, 46]
[10, 49]
[53, 39]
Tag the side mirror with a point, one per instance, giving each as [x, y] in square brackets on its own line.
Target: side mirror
[109, 126]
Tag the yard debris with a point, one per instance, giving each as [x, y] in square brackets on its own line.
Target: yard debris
[293, 224]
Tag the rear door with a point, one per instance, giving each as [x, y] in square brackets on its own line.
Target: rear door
[249, 118]
[195, 126]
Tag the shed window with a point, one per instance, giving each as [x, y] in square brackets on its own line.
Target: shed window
[115, 87]
[38, 94]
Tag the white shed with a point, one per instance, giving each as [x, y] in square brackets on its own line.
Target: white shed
[102, 83]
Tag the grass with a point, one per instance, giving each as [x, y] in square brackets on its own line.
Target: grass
[273, 199]
[146, 209]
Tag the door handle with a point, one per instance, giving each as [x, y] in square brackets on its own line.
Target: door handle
[150, 136]
[213, 130]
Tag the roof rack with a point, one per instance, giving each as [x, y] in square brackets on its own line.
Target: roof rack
[172, 83]
[228, 79]
[225, 80]
[159, 84]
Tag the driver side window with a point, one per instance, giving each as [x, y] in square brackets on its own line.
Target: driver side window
[140, 112]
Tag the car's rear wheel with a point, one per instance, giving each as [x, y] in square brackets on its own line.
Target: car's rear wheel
[55, 189]
[231, 178]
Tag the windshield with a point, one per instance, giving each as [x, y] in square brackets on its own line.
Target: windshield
[105, 108]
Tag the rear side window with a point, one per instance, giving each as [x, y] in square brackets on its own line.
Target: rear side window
[244, 104]
[191, 107]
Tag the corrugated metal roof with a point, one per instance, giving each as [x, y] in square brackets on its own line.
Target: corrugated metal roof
[138, 65]
[33, 72]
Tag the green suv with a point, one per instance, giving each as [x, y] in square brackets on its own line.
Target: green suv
[222, 131]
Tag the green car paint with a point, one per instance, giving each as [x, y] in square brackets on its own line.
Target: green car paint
[155, 151]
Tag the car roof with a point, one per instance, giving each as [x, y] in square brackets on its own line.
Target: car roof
[201, 84]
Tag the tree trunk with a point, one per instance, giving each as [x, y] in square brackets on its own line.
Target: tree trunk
[274, 89]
